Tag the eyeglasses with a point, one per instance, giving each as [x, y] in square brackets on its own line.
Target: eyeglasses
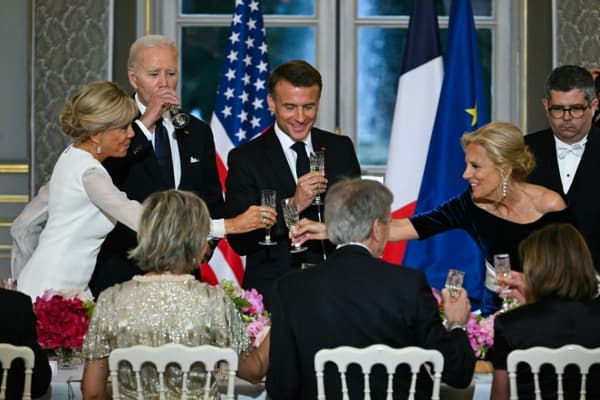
[575, 111]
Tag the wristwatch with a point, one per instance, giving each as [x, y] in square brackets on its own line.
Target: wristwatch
[451, 325]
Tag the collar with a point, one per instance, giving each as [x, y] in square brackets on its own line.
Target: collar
[364, 246]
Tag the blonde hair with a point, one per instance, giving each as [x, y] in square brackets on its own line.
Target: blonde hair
[173, 228]
[505, 146]
[148, 41]
[557, 261]
[97, 107]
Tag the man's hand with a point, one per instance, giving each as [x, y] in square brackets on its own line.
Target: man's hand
[309, 185]
[309, 230]
[156, 105]
[516, 283]
[457, 310]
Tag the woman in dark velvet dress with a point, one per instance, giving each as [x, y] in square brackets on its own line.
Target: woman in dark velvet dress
[562, 308]
[498, 209]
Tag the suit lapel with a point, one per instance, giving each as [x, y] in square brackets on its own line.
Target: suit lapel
[588, 164]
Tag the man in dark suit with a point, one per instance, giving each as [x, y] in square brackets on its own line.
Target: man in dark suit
[356, 299]
[279, 160]
[568, 154]
[185, 160]
[18, 329]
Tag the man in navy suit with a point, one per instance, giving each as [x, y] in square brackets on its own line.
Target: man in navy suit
[18, 329]
[278, 160]
[356, 299]
[186, 161]
[568, 154]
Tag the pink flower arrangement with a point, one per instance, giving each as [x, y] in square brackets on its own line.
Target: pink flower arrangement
[249, 304]
[62, 319]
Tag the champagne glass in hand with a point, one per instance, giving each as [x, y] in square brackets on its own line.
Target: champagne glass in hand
[268, 198]
[291, 218]
[317, 164]
[502, 269]
[454, 282]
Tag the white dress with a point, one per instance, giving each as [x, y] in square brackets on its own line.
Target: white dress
[82, 208]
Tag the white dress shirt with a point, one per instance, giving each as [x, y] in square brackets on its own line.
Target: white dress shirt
[568, 156]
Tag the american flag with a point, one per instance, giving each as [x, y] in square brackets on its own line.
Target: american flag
[241, 113]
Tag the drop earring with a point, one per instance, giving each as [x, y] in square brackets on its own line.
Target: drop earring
[504, 187]
[98, 149]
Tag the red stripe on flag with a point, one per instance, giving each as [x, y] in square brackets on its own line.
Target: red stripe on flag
[394, 251]
[222, 169]
[208, 275]
[233, 259]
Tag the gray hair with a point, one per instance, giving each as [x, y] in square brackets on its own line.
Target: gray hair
[352, 207]
[173, 228]
[568, 77]
[145, 42]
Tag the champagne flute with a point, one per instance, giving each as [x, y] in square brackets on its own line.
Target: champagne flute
[502, 269]
[291, 218]
[317, 164]
[454, 282]
[268, 198]
[179, 119]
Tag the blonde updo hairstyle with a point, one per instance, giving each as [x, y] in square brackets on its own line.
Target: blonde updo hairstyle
[95, 108]
[173, 229]
[505, 146]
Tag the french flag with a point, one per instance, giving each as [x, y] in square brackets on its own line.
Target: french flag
[417, 99]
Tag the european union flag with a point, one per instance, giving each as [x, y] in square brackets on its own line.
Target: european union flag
[462, 108]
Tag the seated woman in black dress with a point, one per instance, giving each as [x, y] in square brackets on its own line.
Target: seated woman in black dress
[498, 209]
[562, 308]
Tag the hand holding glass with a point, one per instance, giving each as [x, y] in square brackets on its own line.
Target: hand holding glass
[454, 282]
[502, 269]
[268, 198]
[179, 119]
[291, 218]
[317, 164]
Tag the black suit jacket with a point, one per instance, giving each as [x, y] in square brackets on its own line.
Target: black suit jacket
[354, 299]
[552, 322]
[18, 329]
[138, 175]
[581, 197]
[261, 164]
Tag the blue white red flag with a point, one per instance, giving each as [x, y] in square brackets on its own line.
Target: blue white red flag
[417, 98]
[462, 108]
[241, 113]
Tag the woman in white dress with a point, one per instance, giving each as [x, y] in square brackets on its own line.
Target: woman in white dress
[80, 202]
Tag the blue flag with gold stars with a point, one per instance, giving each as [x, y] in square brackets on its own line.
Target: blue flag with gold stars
[462, 108]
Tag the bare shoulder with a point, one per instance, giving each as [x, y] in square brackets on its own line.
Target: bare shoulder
[546, 200]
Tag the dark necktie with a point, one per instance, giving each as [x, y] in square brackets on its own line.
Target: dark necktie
[162, 149]
[302, 163]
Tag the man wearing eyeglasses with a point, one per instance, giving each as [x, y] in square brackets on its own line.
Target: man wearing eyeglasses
[568, 154]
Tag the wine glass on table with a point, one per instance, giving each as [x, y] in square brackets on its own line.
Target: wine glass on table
[268, 198]
[454, 282]
[317, 164]
[291, 218]
[502, 269]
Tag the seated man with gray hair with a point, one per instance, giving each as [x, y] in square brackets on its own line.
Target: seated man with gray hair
[356, 299]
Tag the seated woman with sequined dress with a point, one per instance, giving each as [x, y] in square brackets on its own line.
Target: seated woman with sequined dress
[167, 304]
[498, 209]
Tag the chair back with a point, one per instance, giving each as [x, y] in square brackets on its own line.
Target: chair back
[166, 354]
[8, 353]
[559, 358]
[381, 354]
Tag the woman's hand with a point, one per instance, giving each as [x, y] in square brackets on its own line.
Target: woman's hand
[255, 217]
[516, 283]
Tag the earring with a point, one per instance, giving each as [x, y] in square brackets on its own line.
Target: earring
[504, 187]
[98, 149]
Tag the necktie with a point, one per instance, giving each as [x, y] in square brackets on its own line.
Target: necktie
[302, 163]
[576, 150]
[162, 149]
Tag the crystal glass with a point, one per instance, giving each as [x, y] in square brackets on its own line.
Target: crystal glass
[291, 218]
[179, 118]
[454, 282]
[317, 164]
[268, 198]
[502, 269]
[9, 283]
